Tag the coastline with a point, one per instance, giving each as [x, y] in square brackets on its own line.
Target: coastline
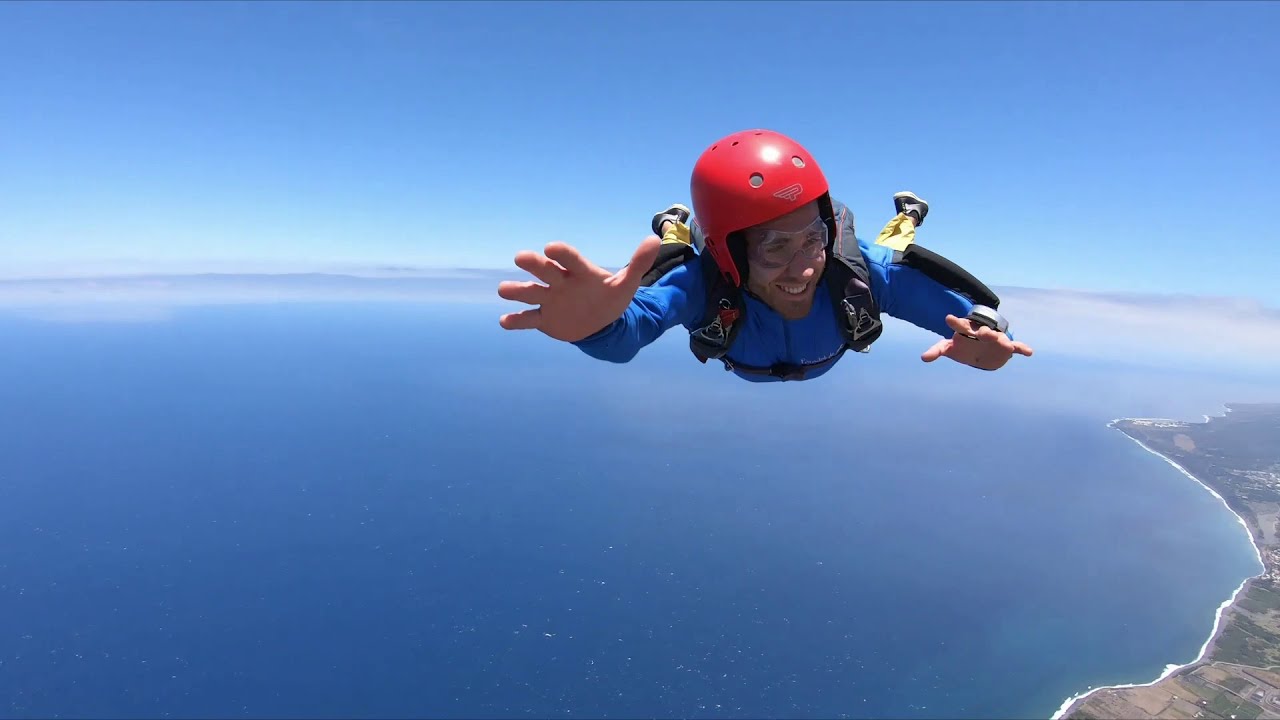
[1074, 702]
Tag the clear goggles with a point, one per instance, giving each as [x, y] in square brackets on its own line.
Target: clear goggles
[777, 248]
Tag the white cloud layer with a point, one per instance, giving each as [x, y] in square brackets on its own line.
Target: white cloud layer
[1146, 328]
[1168, 330]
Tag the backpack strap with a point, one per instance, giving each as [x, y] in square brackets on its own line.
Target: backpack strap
[722, 318]
[670, 257]
[721, 314]
[947, 273]
[849, 284]
[856, 310]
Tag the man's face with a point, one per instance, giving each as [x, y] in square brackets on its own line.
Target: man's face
[785, 257]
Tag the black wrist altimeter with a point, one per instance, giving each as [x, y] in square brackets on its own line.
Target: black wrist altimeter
[989, 316]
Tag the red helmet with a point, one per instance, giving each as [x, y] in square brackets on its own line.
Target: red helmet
[748, 178]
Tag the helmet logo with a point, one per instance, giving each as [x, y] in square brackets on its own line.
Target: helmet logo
[790, 192]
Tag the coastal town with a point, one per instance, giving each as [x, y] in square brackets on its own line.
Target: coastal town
[1237, 676]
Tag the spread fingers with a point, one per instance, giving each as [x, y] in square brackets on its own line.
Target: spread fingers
[540, 266]
[523, 320]
[528, 292]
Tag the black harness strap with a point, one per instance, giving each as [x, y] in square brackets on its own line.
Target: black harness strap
[784, 371]
[946, 273]
[848, 283]
[670, 257]
[855, 307]
[720, 315]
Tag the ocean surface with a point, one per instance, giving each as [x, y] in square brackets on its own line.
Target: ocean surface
[335, 510]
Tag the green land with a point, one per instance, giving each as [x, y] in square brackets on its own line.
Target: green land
[1238, 676]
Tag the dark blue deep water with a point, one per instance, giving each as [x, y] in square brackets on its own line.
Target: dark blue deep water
[401, 510]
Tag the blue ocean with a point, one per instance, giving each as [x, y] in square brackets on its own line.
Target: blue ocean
[400, 510]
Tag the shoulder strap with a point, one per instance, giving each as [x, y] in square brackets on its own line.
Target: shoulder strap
[856, 310]
[848, 282]
[720, 315]
[849, 285]
[670, 257]
[947, 273]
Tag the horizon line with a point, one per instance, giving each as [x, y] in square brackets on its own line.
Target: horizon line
[383, 273]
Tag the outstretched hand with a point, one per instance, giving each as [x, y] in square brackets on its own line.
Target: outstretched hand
[976, 345]
[579, 297]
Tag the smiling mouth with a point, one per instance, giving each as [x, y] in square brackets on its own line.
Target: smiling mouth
[793, 290]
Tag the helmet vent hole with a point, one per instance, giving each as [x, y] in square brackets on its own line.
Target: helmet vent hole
[797, 161]
[735, 144]
[756, 180]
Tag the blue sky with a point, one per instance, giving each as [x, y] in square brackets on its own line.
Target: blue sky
[1102, 146]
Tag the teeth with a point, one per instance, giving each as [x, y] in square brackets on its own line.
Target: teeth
[792, 289]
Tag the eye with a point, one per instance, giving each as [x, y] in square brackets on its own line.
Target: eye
[775, 250]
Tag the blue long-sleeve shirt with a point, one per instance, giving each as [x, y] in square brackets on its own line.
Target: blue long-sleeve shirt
[766, 338]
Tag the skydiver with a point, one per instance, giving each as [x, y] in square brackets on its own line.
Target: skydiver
[772, 280]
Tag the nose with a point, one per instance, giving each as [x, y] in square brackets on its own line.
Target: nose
[803, 267]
